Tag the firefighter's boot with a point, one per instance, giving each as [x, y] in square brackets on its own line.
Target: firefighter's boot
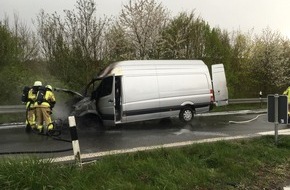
[40, 128]
[50, 129]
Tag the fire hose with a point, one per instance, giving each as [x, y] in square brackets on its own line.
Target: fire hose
[43, 151]
[246, 121]
[54, 135]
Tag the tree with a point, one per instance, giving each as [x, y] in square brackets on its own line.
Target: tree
[17, 49]
[183, 37]
[8, 45]
[117, 45]
[142, 21]
[270, 66]
[74, 46]
[217, 47]
[239, 75]
[26, 40]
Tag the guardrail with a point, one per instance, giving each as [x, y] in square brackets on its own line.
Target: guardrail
[12, 109]
[248, 100]
[21, 108]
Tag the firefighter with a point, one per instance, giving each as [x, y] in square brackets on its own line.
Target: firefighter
[45, 101]
[30, 98]
[287, 92]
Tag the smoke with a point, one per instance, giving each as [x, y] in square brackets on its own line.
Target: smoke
[61, 111]
[63, 106]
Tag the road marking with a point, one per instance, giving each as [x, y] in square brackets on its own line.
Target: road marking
[12, 126]
[170, 145]
[280, 132]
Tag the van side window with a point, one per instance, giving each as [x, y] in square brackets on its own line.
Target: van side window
[105, 87]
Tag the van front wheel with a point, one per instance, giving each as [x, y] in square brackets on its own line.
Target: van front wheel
[186, 114]
[91, 121]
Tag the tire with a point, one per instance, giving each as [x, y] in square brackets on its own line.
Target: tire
[186, 114]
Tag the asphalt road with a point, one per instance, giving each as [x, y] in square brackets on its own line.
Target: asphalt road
[134, 135]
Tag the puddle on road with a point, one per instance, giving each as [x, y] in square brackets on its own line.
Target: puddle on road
[199, 133]
[200, 126]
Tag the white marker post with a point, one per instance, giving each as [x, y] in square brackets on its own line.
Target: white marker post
[74, 139]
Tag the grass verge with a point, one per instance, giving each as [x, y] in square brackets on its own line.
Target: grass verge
[242, 164]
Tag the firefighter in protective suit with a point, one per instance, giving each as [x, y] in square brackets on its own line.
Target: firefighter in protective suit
[287, 92]
[31, 97]
[45, 101]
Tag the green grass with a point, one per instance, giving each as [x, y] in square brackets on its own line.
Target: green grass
[242, 164]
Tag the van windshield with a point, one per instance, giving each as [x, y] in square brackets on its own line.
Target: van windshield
[104, 88]
[91, 87]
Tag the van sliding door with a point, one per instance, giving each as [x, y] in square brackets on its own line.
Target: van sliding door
[219, 84]
[106, 101]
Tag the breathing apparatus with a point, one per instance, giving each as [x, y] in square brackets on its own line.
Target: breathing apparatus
[39, 91]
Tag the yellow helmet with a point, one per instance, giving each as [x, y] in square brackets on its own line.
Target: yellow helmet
[49, 87]
[37, 83]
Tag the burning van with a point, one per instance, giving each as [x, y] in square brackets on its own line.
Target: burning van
[138, 90]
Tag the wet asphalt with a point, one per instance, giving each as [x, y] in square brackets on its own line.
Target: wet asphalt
[15, 141]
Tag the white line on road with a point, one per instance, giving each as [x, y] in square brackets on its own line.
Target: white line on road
[179, 144]
[171, 145]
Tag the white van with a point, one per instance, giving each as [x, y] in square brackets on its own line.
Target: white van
[140, 90]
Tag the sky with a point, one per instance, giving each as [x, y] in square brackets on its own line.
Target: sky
[230, 15]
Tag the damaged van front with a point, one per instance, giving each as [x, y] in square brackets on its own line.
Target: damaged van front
[85, 110]
[82, 106]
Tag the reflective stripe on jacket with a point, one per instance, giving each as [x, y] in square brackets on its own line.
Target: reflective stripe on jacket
[31, 99]
[287, 92]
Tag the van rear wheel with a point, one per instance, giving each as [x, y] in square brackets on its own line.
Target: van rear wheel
[186, 114]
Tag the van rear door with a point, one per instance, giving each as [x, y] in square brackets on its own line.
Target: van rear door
[219, 85]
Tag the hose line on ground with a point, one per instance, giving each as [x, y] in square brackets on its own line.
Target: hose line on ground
[43, 151]
[57, 138]
[54, 135]
[247, 121]
[37, 152]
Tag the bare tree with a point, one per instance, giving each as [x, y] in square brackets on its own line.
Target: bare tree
[25, 39]
[75, 44]
[84, 29]
[142, 22]
[118, 46]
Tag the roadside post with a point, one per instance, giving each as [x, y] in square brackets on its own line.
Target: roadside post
[75, 141]
[277, 111]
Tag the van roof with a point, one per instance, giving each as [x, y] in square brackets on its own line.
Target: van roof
[118, 68]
